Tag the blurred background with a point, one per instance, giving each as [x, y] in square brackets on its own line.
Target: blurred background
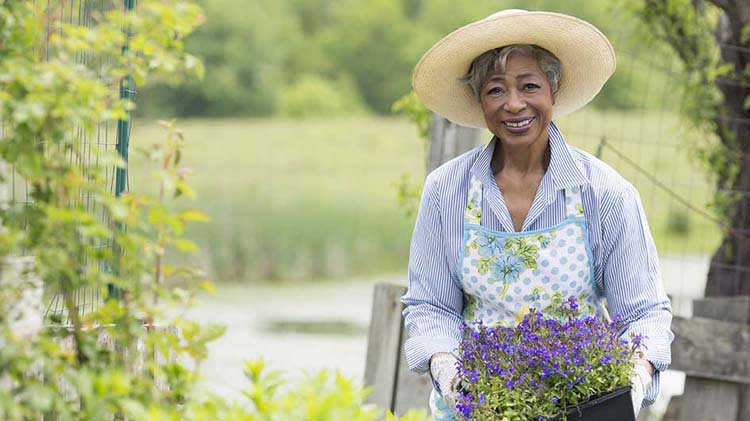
[309, 177]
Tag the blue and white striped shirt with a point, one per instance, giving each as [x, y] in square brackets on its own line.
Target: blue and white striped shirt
[626, 264]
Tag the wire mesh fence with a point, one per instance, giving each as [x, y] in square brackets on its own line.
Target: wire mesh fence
[655, 147]
[109, 136]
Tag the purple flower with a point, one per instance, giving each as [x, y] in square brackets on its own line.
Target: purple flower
[542, 357]
[572, 303]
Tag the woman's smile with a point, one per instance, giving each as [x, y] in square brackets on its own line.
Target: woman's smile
[518, 126]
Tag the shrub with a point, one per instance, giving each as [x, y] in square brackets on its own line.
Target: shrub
[313, 96]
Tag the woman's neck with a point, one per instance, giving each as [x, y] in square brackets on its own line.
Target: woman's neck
[520, 160]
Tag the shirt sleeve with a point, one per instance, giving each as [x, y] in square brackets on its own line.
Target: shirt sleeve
[434, 300]
[633, 284]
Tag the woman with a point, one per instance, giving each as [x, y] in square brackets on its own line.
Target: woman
[512, 73]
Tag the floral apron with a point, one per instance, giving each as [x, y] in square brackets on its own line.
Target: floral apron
[503, 274]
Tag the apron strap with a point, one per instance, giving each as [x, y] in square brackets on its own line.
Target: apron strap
[473, 211]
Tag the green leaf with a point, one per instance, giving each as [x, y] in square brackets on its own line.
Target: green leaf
[194, 215]
[186, 246]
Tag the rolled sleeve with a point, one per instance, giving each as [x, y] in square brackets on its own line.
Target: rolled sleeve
[633, 285]
[434, 300]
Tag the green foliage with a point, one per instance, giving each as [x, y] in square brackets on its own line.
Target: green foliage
[90, 370]
[413, 108]
[408, 193]
[679, 222]
[320, 396]
[689, 31]
[241, 44]
[130, 357]
[312, 96]
[255, 51]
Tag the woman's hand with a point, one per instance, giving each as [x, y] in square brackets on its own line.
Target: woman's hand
[444, 371]
[640, 380]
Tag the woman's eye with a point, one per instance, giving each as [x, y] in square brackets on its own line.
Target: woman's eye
[495, 91]
[530, 87]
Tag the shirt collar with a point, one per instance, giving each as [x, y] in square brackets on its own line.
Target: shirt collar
[564, 170]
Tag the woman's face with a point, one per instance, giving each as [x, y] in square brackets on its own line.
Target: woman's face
[517, 104]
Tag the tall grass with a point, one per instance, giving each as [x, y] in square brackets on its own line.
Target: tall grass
[300, 199]
[296, 199]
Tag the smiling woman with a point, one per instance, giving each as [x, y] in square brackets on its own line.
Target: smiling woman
[560, 221]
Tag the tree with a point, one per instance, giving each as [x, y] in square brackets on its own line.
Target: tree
[712, 40]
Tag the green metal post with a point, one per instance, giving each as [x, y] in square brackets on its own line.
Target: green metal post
[123, 138]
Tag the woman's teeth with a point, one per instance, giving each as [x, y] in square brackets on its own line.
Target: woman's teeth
[517, 124]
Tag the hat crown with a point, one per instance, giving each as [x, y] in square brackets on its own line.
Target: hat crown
[505, 13]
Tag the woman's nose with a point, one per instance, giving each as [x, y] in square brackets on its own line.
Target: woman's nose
[515, 102]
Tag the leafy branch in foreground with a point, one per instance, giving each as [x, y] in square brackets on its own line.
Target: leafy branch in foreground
[131, 356]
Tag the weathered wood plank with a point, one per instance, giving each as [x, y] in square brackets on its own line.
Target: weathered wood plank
[706, 399]
[743, 402]
[449, 140]
[729, 309]
[711, 349]
[412, 389]
[383, 344]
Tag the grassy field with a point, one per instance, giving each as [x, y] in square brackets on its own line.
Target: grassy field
[316, 198]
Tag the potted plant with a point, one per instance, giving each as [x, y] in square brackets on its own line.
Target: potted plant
[554, 365]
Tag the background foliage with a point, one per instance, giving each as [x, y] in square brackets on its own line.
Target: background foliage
[257, 52]
[130, 357]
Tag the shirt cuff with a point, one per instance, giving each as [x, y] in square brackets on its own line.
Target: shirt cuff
[652, 392]
[420, 349]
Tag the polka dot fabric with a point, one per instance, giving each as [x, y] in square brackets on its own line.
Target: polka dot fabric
[505, 273]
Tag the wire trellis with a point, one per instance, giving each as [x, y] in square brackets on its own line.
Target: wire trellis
[653, 147]
[108, 136]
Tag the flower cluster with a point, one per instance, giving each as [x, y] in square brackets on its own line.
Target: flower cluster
[547, 363]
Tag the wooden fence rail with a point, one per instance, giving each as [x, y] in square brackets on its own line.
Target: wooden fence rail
[713, 349]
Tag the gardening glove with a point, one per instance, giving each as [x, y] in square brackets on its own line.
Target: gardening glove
[445, 375]
[640, 381]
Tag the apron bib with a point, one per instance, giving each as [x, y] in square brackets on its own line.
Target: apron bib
[504, 274]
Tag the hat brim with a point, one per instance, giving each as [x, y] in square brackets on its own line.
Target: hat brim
[587, 57]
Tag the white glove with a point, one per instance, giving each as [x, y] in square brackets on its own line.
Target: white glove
[640, 381]
[444, 372]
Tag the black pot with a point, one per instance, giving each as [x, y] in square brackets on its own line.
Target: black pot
[614, 406]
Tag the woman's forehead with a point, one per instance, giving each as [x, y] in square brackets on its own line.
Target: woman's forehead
[516, 66]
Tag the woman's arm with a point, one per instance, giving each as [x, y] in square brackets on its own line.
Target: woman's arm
[434, 300]
[633, 285]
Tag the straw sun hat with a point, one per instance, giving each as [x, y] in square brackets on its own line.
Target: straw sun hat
[587, 58]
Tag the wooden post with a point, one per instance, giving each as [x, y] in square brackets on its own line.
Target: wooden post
[449, 140]
[384, 345]
[412, 390]
[713, 349]
[394, 386]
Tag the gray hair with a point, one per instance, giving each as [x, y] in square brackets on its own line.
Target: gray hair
[494, 60]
